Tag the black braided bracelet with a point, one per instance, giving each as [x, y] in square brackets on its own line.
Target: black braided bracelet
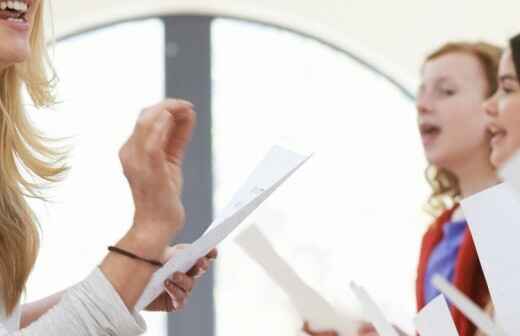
[133, 256]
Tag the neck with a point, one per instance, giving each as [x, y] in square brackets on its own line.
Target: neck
[3, 66]
[475, 175]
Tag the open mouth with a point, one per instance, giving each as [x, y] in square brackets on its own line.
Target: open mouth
[14, 10]
[429, 132]
[496, 133]
[428, 129]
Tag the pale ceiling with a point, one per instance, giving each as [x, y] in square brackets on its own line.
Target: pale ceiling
[393, 35]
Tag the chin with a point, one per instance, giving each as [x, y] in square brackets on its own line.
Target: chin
[13, 58]
[442, 160]
[497, 160]
[500, 155]
[435, 158]
[15, 52]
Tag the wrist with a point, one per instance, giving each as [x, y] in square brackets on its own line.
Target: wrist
[145, 243]
[158, 224]
[129, 276]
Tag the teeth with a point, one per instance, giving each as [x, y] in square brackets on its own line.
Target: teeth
[15, 20]
[17, 5]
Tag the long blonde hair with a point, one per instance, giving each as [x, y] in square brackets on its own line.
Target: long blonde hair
[28, 163]
[444, 184]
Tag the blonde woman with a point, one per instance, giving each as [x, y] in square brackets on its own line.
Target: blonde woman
[103, 303]
[455, 81]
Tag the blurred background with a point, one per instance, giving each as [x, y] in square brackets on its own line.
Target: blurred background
[336, 77]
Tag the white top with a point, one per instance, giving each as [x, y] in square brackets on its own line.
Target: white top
[92, 307]
[11, 323]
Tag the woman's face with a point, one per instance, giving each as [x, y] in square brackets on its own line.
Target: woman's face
[16, 20]
[503, 111]
[450, 111]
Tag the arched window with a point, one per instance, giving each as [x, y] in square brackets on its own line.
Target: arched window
[354, 212]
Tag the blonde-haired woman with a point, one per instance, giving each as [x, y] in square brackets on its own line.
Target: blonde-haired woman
[151, 158]
[455, 81]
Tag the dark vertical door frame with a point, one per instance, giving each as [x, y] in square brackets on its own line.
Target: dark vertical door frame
[188, 76]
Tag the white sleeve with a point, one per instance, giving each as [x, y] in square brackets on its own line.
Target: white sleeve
[91, 308]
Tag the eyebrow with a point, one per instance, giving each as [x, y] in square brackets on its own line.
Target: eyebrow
[440, 80]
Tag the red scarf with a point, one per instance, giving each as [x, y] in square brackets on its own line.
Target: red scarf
[468, 275]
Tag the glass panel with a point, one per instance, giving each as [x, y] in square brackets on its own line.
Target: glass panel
[354, 212]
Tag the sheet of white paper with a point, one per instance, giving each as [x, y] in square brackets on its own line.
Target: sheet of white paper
[308, 302]
[372, 312]
[467, 307]
[435, 319]
[510, 172]
[493, 216]
[273, 171]
[268, 172]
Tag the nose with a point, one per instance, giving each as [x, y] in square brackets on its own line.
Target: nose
[491, 105]
[423, 104]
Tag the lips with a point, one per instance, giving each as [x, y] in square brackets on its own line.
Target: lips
[429, 132]
[15, 10]
[497, 134]
[6, 14]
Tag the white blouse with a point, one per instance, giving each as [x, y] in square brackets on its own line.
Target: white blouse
[92, 307]
[11, 323]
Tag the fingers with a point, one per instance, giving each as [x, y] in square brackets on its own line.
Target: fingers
[179, 287]
[166, 128]
[306, 328]
[213, 254]
[367, 329]
[167, 303]
[200, 267]
[177, 297]
[155, 143]
[183, 282]
[180, 131]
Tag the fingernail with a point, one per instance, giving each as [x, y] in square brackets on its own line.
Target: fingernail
[175, 303]
[185, 102]
[168, 286]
